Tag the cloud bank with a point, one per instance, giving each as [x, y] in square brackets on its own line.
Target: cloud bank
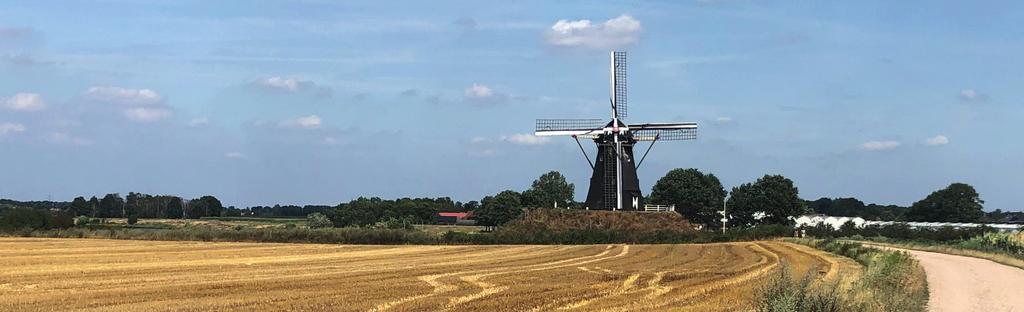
[614, 33]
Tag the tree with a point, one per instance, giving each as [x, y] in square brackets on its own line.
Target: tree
[359, 212]
[206, 206]
[822, 205]
[697, 196]
[318, 220]
[174, 208]
[958, 202]
[772, 199]
[499, 209]
[848, 207]
[549, 190]
[80, 207]
[111, 206]
[471, 205]
[94, 207]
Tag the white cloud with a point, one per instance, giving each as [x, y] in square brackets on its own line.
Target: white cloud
[937, 140]
[479, 139]
[483, 95]
[292, 85]
[7, 127]
[284, 84]
[879, 145]
[723, 119]
[308, 122]
[478, 91]
[971, 95]
[526, 139]
[198, 122]
[234, 155]
[123, 95]
[616, 32]
[25, 102]
[62, 138]
[147, 114]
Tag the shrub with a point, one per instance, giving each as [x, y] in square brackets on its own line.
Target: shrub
[400, 223]
[784, 293]
[133, 219]
[32, 219]
[1009, 243]
[318, 220]
[892, 280]
[22, 218]
[83, 220]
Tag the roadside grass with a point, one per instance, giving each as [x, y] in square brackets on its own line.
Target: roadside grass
[892, 281]
[966, 249]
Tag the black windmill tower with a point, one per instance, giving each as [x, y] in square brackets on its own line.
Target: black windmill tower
[614, 184]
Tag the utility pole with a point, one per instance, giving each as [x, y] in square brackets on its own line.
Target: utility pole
[725, 216]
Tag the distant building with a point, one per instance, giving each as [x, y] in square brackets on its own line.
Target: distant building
[836, 222]
[460, 218]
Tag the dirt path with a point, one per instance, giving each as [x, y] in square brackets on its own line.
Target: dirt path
[958, 283]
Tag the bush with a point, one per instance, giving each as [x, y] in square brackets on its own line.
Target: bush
[31, 219]
[1008, 243]
[784, 293]
[133, 219]
[400, 223]
[892, 280]
[318, 220]
[83, 220]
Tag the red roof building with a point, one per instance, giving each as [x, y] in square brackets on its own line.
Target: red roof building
[452, 217]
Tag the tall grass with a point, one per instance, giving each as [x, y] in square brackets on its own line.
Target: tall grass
[892, 281]
[1008, 243]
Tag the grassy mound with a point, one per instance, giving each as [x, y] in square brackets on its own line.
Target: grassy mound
[562, 221]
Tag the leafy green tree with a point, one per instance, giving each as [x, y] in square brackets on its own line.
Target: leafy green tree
[822, 205]
[359, 212]
[80, 207]
[696, 195]
[206, 206]
[499, 209]
[958, 202]
[22, 218]
[471, 205]
[111, 206]
[773, 197]
[318, 220]
[549, 190]
[174, 208]
[94, 207]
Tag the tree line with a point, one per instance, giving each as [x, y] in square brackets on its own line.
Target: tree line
[698, 196]
[138, 205]
[774, 199]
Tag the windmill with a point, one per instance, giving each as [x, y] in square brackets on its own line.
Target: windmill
[614, 184]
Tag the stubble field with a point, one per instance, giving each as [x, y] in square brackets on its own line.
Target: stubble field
[119, 275]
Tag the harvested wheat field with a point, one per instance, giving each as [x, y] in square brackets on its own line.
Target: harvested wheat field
[121, 275]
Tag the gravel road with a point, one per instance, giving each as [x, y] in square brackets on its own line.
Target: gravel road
[958, 283]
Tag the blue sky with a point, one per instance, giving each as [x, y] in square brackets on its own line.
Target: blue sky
[320, 102]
